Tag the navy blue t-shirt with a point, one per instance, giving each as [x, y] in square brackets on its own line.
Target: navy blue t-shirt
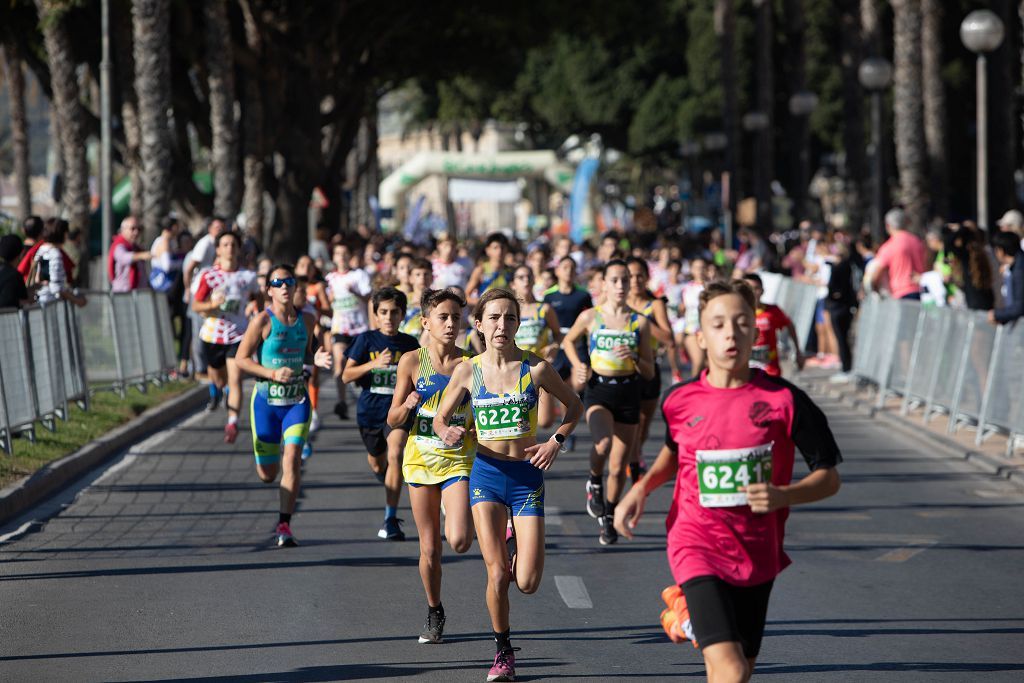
[379, 384]
[568, 307]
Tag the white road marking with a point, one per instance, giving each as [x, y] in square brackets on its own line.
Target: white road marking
[552, 516]
[574, 592]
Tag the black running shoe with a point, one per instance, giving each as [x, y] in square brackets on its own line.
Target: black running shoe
[341, 410]
[213, 403]
[595, 500]
[608, 534]
[433, 630]
[392, 530]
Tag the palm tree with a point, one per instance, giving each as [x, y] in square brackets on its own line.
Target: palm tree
[252, 125]
[221, 81]
[19, 128]
[124, 72]
[67, 111]
[852, 53]
[725, 27]
[908, 109]
[150, 30]
[934, 103]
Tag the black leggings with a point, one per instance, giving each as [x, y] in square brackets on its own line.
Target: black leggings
[842, 320]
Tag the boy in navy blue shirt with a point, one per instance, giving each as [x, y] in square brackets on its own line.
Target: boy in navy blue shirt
[371, 361]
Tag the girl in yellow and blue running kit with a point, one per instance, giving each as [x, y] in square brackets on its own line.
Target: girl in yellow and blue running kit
[435, 471]
[503, 385]
[620, 360]
[280, 408]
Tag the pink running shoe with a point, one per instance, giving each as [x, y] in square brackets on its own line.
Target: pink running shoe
[504, 668]
[230, 432]
[284, 536]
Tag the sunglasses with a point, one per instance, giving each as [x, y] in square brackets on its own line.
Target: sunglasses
[282, 282]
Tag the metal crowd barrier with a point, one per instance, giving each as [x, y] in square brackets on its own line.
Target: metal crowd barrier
[799, 300]
[944, 361]
[55, 354]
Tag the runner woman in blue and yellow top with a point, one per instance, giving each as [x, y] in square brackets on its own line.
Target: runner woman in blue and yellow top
[436, 473]
[280, 408]
[372, 362]
[538, 333]
[654, 309]
[503, 384]
[492, 273]
[620, 355]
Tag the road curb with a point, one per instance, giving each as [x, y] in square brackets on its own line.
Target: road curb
[988, 463]
[50, 479]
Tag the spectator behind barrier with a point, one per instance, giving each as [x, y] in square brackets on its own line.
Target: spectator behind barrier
[1011, 263]
[51, 267]
[125, 266]
[13, 293]
[33, 229]
[902, 256]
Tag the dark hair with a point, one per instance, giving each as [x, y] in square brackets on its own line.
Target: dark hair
[1007, 241]
[32, 227]
[233, 235]
[568, 258]
[636, 260]
[433, 298]
[494, 295]
[54, 230]
[718, 288]
[754, 277]
[614, 263]
[280, 266]
[421, 264]
[301, 281]
[10, 248]
[213, 219]
[389, 294]
[499, 238]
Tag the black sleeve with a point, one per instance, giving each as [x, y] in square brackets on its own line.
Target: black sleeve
[811, 433]
[1015, 310]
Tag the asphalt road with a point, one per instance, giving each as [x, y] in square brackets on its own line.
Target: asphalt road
[162, 568]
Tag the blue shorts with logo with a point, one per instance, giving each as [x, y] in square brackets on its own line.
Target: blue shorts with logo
[517, 484]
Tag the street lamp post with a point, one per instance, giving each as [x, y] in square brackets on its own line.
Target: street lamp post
[982, 31]
[801, 105]
[875, 75]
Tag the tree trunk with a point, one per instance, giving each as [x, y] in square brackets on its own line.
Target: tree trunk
[367, 170]
[934, 104]
[908, 108]
[68, 111]
[252, 126]
[19, 129]
[852, 53]
[150, 22]
[764, 164]
[224, 152]
[290, 238]
[725, 27]
[1002, 140]
[124, 75]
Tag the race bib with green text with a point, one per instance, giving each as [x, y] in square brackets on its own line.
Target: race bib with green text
[503, 417]
[720, 474]
[285, 394]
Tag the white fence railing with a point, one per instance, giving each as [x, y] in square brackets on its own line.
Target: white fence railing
[55, 354]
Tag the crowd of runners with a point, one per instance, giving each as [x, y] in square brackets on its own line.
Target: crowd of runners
[461, 363]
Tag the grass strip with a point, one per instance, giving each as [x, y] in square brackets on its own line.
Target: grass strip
[106, 411]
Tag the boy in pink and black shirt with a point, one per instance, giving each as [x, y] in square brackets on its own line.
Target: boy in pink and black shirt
[732, 434]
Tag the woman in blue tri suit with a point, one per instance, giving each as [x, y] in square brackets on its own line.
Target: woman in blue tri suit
[280, 408]
[436, 472]
[503, 384]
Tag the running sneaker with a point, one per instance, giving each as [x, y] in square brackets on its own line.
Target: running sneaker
[284, 536]
[341, 410]
[213, 403]
[392, 530]
[307, 451]
[608, 534]
[595, 500]
[314, 422]
[504, 668]
[677, 377]
[433, 630]
[230, 432]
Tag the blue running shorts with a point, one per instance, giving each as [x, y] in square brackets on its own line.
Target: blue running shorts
[517, 484]
[273, 424]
